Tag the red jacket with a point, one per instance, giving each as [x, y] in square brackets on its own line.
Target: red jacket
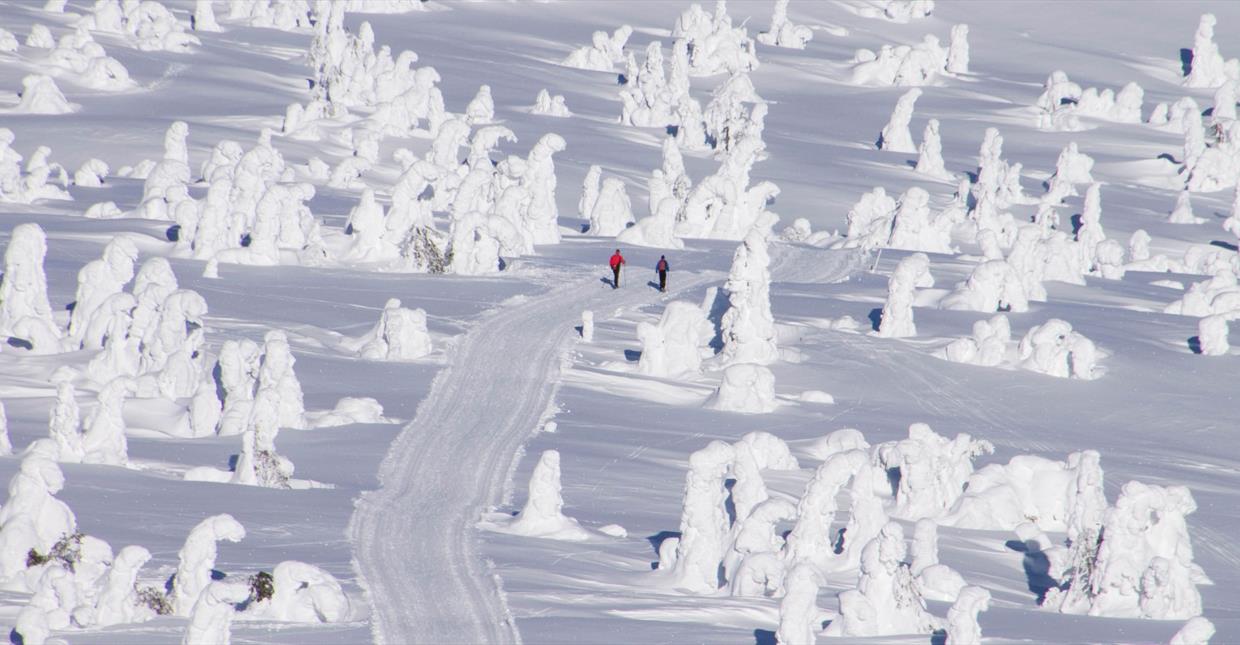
[616, 260]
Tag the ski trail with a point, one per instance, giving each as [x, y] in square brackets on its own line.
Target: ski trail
[416, 548]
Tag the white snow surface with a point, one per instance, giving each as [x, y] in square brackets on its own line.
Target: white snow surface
[192, 190]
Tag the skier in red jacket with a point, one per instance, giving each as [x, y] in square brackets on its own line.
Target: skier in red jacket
[616, 262]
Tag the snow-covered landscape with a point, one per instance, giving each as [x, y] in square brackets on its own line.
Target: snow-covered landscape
[310, 334]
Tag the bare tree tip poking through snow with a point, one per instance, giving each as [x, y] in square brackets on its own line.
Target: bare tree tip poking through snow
[197, 559]
[897, 317]
[400, 335]
[697, 562]
[543, 514]
[1197, 631]
[745, 387]
[784, 33]
[886, 600]
[895, 136]
[962, 627]
[800, 620]
[210, 619]
[1053, 348]
[677, 344]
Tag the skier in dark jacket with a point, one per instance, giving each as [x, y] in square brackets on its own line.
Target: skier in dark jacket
[662, 268]
[616, 262]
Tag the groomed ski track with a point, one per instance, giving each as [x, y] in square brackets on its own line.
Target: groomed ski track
[416, 545]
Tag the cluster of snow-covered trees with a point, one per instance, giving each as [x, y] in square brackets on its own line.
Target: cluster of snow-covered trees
[1117, 560]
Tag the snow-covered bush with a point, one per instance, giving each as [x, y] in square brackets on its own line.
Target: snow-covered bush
[784, 33]
[745, 387]
[543, 514]
[698, 557]
[1196, 631]
[40, 95]
[933, 470]
[97, 281]
[197, 560]
[603, 52]
[400, 335]
[32, 518]
[748, 328]
[1063, 102]
[1030, 489]
[910, 65]
[713, 44]
[303, 593]
[1073, 167]
[913, 227]
[870, 221]
[91, 174]
[90, 65]
[678, 343]
[103, 441]
[958, 50]
[987, 346]
[548, 105]
[1053, 348]
[1207, 67]
[887, 600]
[992, 286]
[150, 26]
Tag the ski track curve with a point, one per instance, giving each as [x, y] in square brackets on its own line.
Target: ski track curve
[416, 545]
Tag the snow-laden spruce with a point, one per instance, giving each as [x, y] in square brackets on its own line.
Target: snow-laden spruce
[811, 539]
[543, 516]
[197, 560]
[895, 136]
[896, 320]
[25, 311]
[698, 553]
[1207, 67]
[210, 619]
[747, 327]
[887, 600]
[930, 153]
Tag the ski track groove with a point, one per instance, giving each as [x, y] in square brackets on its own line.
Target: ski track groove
[416, 547]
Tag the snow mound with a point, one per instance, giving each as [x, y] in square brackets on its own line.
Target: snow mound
[678, 343]
[400, 335]
[40, 95]
[543, 514]
[992, 286]
[745, 387]
[602, 53]
[1028, 489]
[1053, 348]
[987, 347]
[545, 104]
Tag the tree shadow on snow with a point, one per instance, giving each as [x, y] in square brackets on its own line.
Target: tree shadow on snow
[1186, 61]
[632, 355]
[1167, 156]
[656, 541]
[1037, 567]
[1194, 344]
[939, 637]
[764, 637]
[173, 233]
[20, 343]
[1224, 245]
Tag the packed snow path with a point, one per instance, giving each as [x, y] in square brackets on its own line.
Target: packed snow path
[416, 549]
